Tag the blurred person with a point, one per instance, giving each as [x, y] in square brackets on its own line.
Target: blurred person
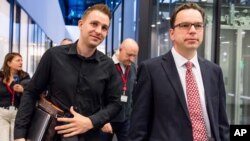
[124, 61]
[12, 82]
[81, 80]
[180, 96]
[66, 41]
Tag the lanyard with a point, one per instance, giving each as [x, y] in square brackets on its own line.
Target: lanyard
[12, 92]
[123, 76]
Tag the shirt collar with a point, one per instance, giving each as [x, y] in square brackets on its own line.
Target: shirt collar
[73, 51]
[180, 61]
[72, 48]
[115, 59]
[117, 62]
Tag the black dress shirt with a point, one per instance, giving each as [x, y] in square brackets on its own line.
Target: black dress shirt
[91, 85]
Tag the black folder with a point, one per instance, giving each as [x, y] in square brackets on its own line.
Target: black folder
[39, 125]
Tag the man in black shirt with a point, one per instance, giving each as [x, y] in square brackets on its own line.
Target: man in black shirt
[81, 80]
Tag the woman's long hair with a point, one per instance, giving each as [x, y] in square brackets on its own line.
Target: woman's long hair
[6, 69]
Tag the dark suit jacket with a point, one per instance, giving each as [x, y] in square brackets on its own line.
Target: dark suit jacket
[160, 111]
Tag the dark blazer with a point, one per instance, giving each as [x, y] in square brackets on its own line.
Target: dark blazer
[125, 112]
[160, 111]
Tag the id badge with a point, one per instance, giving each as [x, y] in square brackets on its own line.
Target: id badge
[12, 108]
[124, 98]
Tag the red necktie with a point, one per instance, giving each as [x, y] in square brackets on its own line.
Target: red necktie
[194, 106]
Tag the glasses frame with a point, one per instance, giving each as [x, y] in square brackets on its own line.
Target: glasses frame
[186, 25]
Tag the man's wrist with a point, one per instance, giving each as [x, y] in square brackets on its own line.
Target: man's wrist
[91, 126]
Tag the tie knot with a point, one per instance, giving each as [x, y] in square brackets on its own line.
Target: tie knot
[189, 65]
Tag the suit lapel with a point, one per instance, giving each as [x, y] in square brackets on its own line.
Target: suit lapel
[169, 66]
[205, 77]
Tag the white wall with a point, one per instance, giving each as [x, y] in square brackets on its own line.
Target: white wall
[74, 32]
[47, 14]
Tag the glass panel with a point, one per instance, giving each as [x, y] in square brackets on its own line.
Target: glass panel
[43, 47]
[162, 10]
[160, 42]
[31, 46]
[38, 43]
[245, 73]
[117, 27]
[235, 58]
[37, 47]
[228, 63]
[16, 29]
[129, 19]
[48, 42]
[4, 29]
[24, 39]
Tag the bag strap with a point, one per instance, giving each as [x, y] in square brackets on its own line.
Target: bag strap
[49, 107]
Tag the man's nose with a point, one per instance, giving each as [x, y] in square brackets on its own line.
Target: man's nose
[98, 29]
[192, 28]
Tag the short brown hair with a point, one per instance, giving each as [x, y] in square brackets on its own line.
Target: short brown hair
[99, 7]
[184, 7]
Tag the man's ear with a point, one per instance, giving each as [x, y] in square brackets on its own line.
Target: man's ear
[80, 22]
[171, 34]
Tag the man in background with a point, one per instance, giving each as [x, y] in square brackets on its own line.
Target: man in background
[66, 41]
[124, 61]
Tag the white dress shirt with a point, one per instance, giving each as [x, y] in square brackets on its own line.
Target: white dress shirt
[180, 62]
[116, 61]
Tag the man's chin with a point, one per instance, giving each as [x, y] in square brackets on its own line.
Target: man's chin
[194, 46]
[94, 45]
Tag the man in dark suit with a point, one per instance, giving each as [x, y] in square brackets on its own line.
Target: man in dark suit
[180, 96]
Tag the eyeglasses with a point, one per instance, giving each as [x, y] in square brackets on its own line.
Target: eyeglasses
[187, 26]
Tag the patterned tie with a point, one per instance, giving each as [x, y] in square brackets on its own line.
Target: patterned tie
[194, 106]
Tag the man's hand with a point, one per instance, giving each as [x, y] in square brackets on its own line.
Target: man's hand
[22, 139]
[18, 88]
[73, 126]
[107, 128]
